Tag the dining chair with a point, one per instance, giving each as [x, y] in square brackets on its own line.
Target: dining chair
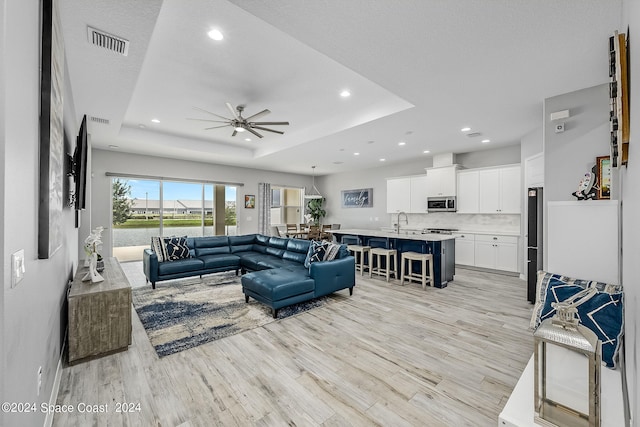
[325, 233]
[314, 232]
[292, 230]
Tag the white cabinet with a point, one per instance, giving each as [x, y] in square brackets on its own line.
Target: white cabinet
[418, 202]
[499, 190]
[441, 181]
[468, 191]
[496, 252]
[407, 194]
[398, 194]
[465, 249]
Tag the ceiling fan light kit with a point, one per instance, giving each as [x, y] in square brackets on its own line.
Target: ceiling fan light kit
[241, 124]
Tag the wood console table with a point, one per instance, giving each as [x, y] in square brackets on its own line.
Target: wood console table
[99, 314]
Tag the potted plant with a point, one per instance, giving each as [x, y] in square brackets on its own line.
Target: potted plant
[314, 207]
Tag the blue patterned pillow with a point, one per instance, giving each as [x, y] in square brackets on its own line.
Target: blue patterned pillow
[176, 248]
[317, 251]
[603, 314]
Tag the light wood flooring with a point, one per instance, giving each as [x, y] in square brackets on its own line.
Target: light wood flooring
[388, 355]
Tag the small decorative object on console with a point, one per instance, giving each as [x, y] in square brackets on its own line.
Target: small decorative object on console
[586, 187]
[91, 244]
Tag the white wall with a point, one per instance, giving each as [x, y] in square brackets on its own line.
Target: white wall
[33, 312]
[630, 180]
[569, 155]
[103, 161]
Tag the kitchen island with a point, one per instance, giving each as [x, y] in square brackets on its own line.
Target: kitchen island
[442, 246]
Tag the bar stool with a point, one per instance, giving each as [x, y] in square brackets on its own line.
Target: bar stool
[361, 251]
[422, 277]
[375, 259]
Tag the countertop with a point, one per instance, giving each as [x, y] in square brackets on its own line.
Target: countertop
[459, 231]
[404, 234]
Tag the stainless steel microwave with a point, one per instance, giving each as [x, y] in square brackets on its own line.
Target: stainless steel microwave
[441, 204]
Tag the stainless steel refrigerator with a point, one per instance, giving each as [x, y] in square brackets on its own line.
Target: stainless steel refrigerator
[534, 239]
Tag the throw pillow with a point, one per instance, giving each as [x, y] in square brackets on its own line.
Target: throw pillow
[332, 251]
[542, 285]
[317, 251]
[157, 246]
[603, 314]
[176, 248]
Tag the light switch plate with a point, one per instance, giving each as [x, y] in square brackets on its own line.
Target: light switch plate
[17, 267]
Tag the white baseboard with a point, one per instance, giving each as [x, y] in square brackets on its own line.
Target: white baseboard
[48, 421]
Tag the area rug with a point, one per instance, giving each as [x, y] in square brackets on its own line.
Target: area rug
[185, 313]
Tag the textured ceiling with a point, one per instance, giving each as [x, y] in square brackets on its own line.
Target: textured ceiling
[418, 72]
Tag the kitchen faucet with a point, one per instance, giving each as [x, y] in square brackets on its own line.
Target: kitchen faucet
[406, 221]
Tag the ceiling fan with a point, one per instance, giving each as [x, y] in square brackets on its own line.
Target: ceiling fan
[241, 124]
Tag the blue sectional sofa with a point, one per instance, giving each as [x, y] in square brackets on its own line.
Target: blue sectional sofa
[273, 268]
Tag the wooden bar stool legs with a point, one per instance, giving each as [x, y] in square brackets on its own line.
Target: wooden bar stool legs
[409, 257]
[360, 252]
[375, 264]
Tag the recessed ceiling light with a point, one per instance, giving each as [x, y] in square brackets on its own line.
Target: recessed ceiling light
[382, 160]
[426, 151]
[484, 141]
[402, 143]
[465, 129]
[113, 147]
[248, 139]
[155, 120]
[356, 154]
[141, 126]
[345, 94]
[215, 35]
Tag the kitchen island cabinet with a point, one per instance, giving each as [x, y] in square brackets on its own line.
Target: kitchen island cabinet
[442, 246]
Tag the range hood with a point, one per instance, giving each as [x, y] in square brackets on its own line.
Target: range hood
[441, 178]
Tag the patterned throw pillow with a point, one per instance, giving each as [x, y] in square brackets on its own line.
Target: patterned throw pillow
[158, 246]
[603, 313]
[176, 248]
[317, 250]
[321, 251]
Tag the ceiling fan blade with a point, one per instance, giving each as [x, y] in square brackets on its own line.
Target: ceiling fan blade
[270, 123]
[234, 132]
[233, 111]
[216, 127]
[260, 114]
[253, 132]
[268, 130]
[208, 120]
[209, 112]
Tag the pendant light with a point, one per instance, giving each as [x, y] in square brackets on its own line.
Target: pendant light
[311, 194]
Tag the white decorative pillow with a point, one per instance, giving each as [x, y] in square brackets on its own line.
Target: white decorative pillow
[157, 246]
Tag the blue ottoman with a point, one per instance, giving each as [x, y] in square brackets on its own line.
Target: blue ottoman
[278, 287]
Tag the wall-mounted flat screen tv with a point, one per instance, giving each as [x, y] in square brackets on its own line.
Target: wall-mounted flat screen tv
[80, 165]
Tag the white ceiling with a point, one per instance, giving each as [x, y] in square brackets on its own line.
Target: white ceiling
[418, 72]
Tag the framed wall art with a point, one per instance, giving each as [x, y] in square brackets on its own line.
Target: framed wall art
[360, 198]
[52, 158]
[603, 176]
[249, 201]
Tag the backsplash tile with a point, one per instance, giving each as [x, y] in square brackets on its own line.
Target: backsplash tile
[465, 222]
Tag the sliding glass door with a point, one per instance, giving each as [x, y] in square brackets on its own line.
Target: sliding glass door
[146, 208]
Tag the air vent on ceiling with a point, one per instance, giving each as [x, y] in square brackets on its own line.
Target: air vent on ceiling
[99, 120]
[473, 134]
[108, 41]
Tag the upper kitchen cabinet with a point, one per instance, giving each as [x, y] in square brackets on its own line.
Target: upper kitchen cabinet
[468, 191]
[398, 194]
[407, 194]
[441, 181]
[419, 194]
[499, 190]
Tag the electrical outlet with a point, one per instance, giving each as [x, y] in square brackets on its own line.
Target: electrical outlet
[39, 379]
